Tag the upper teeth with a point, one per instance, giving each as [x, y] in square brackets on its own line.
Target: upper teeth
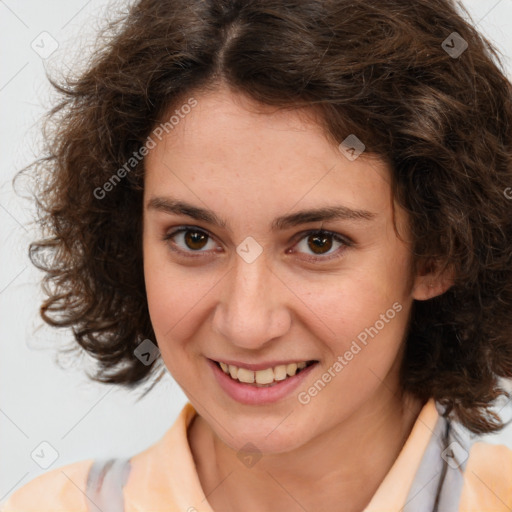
[266, 376]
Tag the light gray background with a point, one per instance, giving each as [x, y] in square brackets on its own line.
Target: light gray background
[39, 402]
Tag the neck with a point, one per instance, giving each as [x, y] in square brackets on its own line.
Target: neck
[344, 466]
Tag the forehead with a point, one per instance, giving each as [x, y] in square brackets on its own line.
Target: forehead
[227, 143]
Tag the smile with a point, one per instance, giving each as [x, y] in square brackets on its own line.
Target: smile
[266, 377]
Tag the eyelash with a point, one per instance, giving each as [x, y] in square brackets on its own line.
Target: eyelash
[346, 242]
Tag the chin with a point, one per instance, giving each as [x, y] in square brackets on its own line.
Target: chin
[269, 437]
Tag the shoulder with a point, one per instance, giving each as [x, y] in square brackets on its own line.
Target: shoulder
[61, 489]
[487, 478]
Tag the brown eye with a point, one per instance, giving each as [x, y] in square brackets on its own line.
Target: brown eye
[321, 246]
[195, 239]
[187, 240]
[320, 243]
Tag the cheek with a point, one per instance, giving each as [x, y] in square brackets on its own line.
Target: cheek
[167, 297]
[169, 301]
[176, 296]
[361, 312]
[362, 328]
[367, 303]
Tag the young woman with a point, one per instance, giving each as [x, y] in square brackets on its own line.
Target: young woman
[302, 211]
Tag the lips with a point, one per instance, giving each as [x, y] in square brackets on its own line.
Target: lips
[260, 394]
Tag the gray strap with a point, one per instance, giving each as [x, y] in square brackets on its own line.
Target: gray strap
[105, 483]
[443, 464]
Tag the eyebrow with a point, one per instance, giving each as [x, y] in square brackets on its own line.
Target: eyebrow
[326, 213]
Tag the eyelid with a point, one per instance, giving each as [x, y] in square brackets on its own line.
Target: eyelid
[342, 239]
[180, 229]
[322, 231]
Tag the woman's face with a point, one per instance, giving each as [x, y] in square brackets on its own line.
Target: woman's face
[249, 281]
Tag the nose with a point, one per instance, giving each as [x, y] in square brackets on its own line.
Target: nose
[252, 310]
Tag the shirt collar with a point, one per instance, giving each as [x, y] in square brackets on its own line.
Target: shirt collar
[392, 493]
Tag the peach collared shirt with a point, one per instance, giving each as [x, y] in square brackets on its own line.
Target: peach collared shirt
[164, 477]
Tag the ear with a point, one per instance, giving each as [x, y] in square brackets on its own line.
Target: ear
[432, 280]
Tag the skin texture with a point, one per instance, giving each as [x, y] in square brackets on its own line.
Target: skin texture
[250, 167]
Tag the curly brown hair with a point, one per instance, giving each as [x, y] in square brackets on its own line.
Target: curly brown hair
[386, 71]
